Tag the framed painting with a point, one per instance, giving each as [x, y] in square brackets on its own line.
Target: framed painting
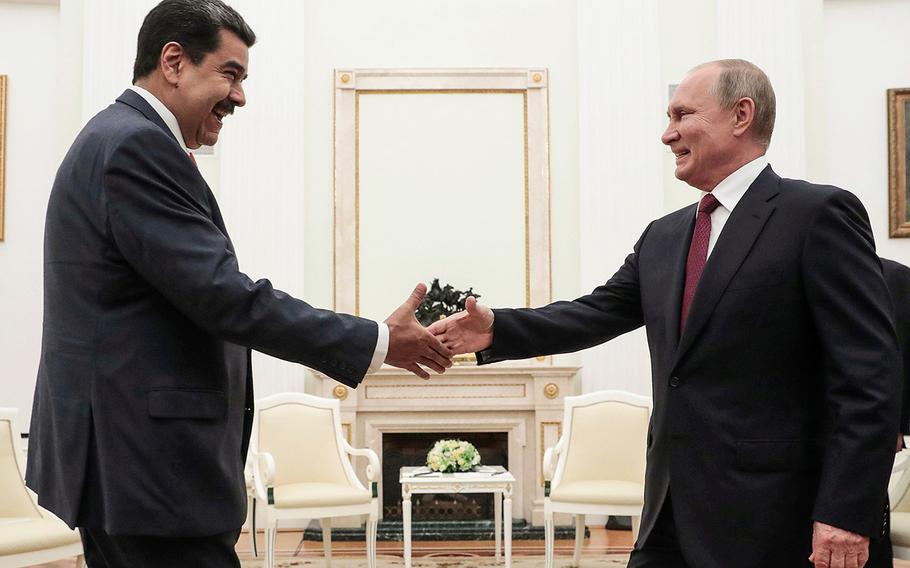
[898, 157]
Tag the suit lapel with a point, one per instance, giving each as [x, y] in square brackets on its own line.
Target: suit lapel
[740, 231]
[208, 203]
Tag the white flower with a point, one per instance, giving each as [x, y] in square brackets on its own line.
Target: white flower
[452, 455]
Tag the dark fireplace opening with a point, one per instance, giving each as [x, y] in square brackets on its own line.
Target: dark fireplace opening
[410, 449]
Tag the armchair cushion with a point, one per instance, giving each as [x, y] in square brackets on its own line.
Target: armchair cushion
[900, 529]
[18, 536]
[599, 492]
[318, 494]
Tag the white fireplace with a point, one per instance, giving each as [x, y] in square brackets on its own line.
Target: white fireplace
[523, 401]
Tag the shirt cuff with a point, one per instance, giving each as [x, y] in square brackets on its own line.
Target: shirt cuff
[382, 348]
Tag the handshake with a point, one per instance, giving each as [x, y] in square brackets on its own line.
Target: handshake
[413, 347]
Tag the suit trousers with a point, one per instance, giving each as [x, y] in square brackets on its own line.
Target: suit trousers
[126, 551]
[662, 549]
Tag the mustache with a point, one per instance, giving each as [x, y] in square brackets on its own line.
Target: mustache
[225, 107]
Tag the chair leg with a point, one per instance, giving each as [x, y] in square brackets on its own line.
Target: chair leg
[80, 561]
[270, 546]
[579, 538]
[549, 537]
[253, 533]
[327, 541]
[371, 541]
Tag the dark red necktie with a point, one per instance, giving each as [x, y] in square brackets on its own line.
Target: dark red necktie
[698, 252]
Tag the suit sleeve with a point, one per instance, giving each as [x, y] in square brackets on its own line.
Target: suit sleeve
[897, 278]
[610, 310]
[850, 307]
[167, 237]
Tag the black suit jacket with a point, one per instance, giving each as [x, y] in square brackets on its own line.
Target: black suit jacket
[143, 403]
[897, 278]
[777, 404]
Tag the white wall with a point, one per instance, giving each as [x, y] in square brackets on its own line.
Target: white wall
[32, 155]
[620, 103]
[866, 52]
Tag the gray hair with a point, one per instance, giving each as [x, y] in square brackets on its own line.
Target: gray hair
[742, 79]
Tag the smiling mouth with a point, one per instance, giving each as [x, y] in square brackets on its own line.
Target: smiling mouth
[219, 115]
[681, 154]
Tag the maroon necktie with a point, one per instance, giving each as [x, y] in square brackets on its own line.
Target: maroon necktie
[698, 252]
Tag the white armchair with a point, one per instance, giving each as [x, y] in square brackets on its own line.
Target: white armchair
[302, 469]
[900, 505]
[28, 534]
[598, 465]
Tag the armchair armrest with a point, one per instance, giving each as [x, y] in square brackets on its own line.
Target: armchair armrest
[373, 465]
[263, 469]
[551, 457]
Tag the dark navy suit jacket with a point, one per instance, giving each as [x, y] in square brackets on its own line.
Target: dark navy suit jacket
[143, 404]
[897, 277]
[777, 405]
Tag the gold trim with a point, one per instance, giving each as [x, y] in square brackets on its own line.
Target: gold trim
[345, 78]
[898, 223]
[551, 390]
[524, 391]
[3, 98]
[356, 203]
[334, 198]
[543, 447]
[527, 209]
[549, 208]
[536, 77]
[340, 392]
[524, 94]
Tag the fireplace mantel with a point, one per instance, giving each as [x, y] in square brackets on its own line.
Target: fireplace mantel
[524, 400]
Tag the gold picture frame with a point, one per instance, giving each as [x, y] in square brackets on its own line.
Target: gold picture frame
[898, 157]
[3, 83]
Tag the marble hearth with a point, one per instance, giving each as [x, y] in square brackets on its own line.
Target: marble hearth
[523, 401]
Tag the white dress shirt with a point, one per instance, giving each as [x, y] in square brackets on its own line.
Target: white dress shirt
[382, 338]
[729, 192]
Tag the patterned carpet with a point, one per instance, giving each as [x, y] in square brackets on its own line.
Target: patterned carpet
[607, 561]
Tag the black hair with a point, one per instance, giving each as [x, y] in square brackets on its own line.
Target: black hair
[194, 24]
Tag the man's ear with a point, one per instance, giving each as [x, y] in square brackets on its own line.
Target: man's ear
[171, 61]
[743, 115]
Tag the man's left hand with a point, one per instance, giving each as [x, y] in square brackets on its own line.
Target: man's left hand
[836, 548]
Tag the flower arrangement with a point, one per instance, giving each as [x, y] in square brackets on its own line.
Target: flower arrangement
[448, 456]
[441, 301]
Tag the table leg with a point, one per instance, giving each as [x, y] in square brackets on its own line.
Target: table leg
[497, 523]
[406, 518]
[507, 506]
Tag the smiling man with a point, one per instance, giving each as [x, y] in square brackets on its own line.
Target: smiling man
[144, 397]
[773, 357]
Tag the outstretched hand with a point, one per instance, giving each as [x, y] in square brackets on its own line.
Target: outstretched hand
[468, 331]
[410, 344]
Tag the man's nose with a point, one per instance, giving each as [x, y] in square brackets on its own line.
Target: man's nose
[237, 96]
[669, 135]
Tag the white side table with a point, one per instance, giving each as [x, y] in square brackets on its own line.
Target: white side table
[491, 479]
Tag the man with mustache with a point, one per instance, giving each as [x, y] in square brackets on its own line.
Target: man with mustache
[773, 355]
[144, 399]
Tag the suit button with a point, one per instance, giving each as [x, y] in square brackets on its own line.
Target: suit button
[674, 382]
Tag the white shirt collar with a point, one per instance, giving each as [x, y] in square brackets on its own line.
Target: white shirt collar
[166, 115]
[734, 186]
